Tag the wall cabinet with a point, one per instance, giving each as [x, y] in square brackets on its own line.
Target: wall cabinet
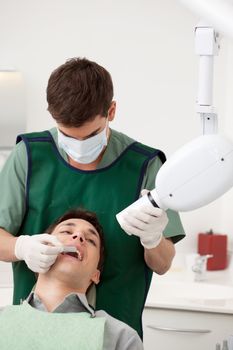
[168, 329]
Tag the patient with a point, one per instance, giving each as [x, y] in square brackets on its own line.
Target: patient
[57, 314]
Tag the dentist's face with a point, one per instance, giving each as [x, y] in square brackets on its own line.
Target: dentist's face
[82, 266]
[84, 132]
[91, 127]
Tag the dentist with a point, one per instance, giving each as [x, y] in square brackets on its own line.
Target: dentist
[83, 163]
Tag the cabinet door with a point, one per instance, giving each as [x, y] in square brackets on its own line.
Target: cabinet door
[166, 329]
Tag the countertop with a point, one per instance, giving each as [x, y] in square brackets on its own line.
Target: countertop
[175, 290]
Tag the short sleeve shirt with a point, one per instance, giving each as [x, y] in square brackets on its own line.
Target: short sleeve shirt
[13, 179]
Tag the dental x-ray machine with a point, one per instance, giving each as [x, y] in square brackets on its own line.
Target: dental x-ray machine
[202, 170]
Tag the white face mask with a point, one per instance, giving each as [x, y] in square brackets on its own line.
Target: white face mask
[83, 151]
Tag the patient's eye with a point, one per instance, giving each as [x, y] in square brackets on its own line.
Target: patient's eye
[92, 241]
[67, 232]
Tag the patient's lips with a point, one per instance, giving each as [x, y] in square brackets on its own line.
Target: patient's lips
[76, 255]
[74, 252]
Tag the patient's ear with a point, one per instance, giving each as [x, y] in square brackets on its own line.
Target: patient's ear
[96, 277]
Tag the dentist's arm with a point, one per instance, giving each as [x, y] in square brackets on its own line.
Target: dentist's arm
[159, 259]
[148, 223]
[38, 251]
[7, 246]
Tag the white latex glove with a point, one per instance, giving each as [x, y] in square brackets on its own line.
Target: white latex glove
[146, 222]
[38, 251]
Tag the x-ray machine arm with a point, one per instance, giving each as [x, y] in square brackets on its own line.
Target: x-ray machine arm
[202, 170]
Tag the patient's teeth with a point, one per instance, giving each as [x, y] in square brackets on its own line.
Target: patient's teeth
[79, 255]
[72, 250]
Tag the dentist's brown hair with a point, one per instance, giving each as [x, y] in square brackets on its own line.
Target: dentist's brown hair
[78, 91]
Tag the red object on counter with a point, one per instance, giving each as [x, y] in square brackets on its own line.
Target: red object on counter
[216, 245]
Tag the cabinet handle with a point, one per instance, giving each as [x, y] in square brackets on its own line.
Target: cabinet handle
[185, 330]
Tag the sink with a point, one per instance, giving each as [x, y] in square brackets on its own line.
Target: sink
[190, 295]
[177, 289]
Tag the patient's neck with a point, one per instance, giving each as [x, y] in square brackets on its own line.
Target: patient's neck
[53, 291]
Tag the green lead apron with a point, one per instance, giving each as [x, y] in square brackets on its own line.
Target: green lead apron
[53, 187]
[24, 328]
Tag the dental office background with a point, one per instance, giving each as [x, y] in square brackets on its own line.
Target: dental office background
[148, 47]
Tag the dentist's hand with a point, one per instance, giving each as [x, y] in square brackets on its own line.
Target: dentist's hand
[146, 222]
[38, 251]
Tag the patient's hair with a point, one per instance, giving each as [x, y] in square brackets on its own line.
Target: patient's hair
[87, 216]
[78, 91]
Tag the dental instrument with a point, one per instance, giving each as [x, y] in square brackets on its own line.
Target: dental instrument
[69, 249]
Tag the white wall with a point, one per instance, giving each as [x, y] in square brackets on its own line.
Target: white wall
[148, 46]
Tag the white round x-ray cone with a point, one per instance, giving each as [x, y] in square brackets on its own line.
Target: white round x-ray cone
[194, 176]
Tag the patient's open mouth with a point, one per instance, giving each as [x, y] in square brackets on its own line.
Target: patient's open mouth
[76, 255]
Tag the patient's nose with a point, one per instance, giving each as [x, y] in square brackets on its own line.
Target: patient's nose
[79, 236]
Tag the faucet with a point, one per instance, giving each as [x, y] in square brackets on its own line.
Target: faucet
[199, 267]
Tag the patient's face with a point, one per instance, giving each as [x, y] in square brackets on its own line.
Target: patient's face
[81, 266]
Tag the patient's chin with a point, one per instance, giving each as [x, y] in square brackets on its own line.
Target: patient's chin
[64, 270]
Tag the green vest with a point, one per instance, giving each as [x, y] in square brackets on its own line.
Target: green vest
[24, 328]
[54, 186]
